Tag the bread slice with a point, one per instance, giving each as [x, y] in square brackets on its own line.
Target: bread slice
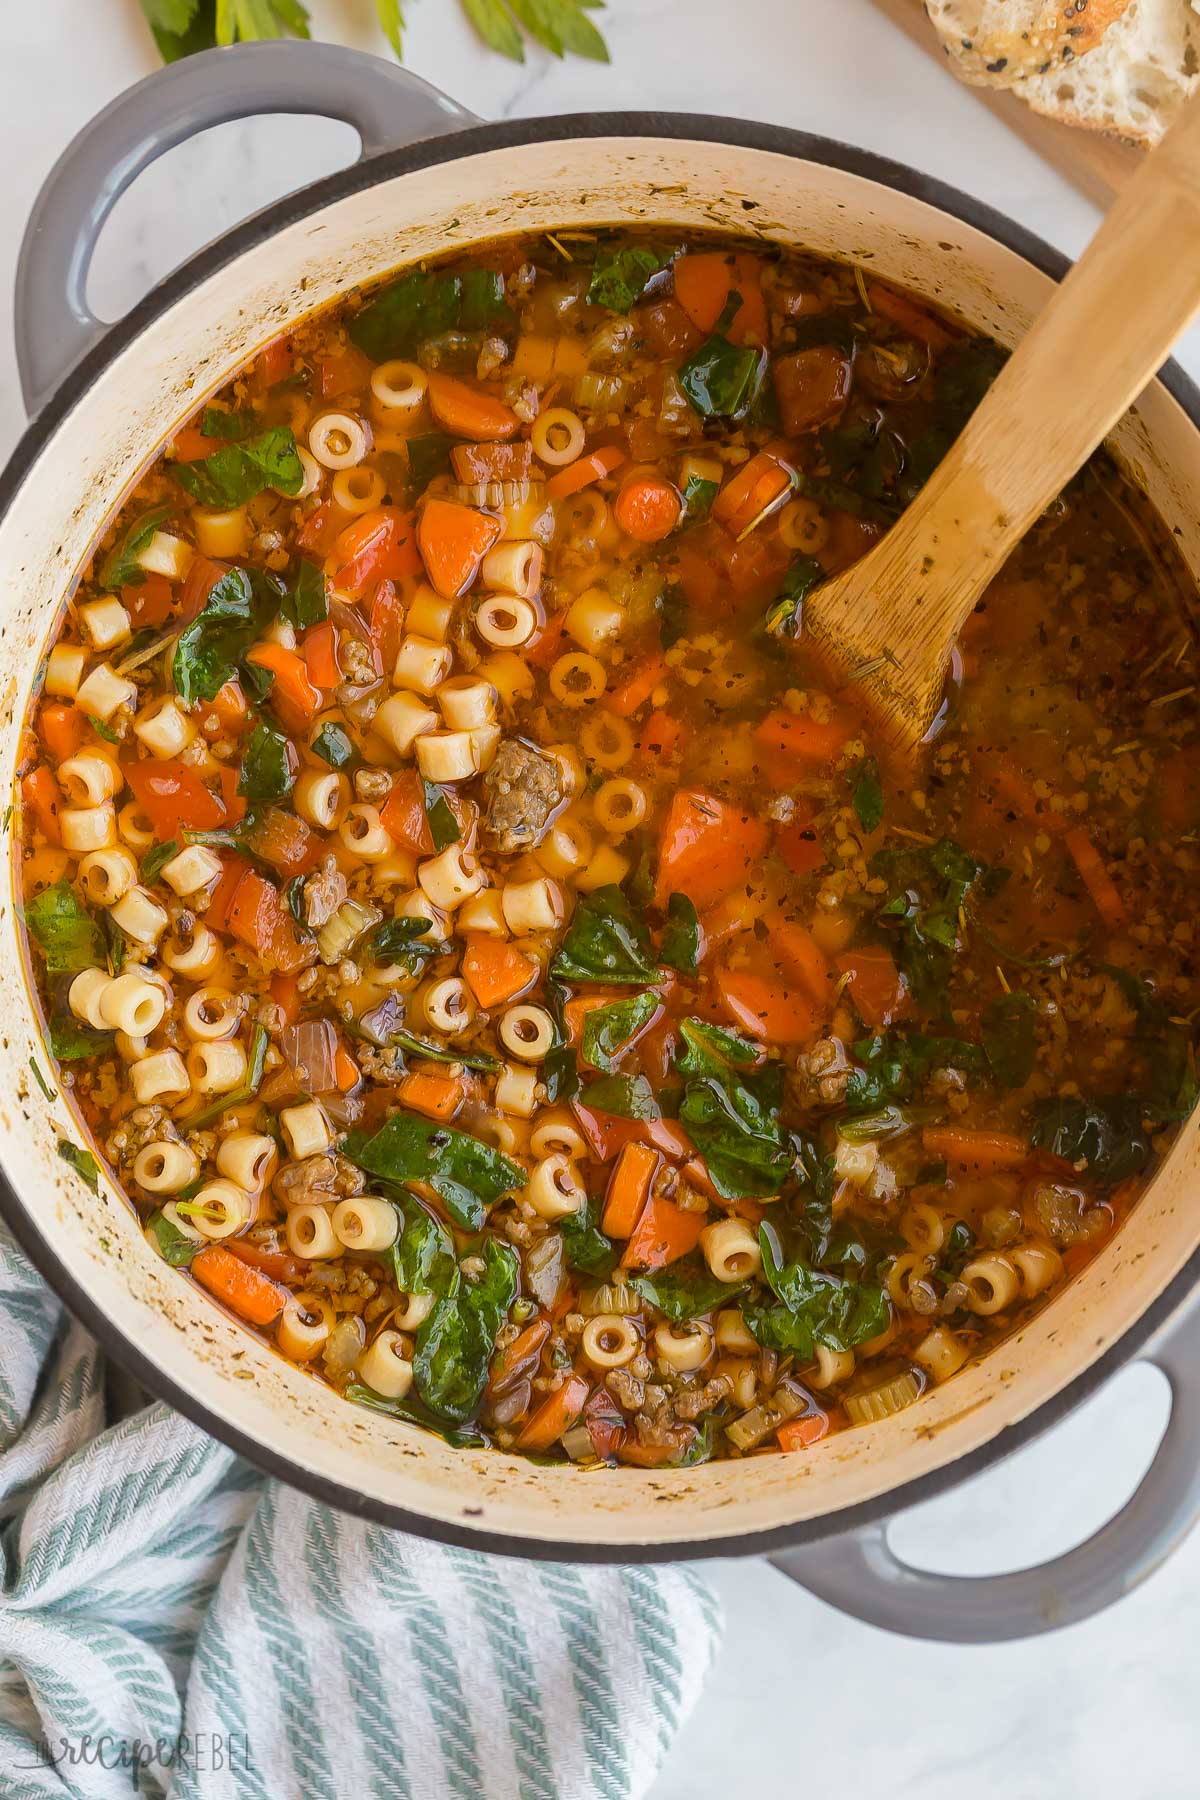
[1131, 83]
[1006, 40]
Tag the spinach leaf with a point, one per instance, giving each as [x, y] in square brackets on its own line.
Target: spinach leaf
[623, 1096]
[710, 1049]
[114, 943]
[812, 1307]
[1010, 1039]
[443, 826]
[428, 456]
[608, 1029]
[672, 615]
[738, 1136]
[422, 1257]
[455, 1343]
[173, 1245]
[685, 1290]
[82, 1161]
[681, 938]
[866, 793]
[235, 474]
[560, 1074]
[819, 329]
[587, 1249]
[270, 764]
[229, 424]
[785, 613]
[155, 861]
[927, 888]
[1166, 1049]
[70, 1039]
[698, 496]
[398, 941]
[420, 305]
[1107, 1134]
[720, 379]
[121, 567]
[963, 377]
[468, 1176]
[334, 746]
[483, 306]
[415, 1046]
[65, 932]
[733, 1122]
[306, 602]
[895, 1063]
[239, 606]
[619, 277]
[412, 1412]
[606, 942]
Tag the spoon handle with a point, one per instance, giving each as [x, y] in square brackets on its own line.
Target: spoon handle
[1089, 353]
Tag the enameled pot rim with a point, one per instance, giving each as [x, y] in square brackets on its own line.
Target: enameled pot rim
[454, 146]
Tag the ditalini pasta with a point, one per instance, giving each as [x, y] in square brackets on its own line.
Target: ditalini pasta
[492, 961]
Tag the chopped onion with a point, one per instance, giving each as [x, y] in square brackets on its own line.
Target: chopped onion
[344, 1345]
[601, 393]
[545, 1269]
[309, 1050]
[382, 1022]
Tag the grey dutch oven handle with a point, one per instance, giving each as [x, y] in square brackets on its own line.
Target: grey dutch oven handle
[386, 105]
[860, 1574]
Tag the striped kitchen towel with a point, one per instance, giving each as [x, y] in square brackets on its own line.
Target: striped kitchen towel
[173, 1625]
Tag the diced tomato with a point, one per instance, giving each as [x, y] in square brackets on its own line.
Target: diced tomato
[273, 364]
[253, 912]
[233, 802]
[173, 797]
[286, 995]
[42, 798]
[321, 529]
[608, 1133]
[286, 842]
[61, 727]
[386, 623]
[662, 738]
[667, 328]
[341, 371]
[149, 603]
[798, 845]
[198, 584]
[190, 445]
[876, 986]
[321, 654]
[403, 814]
[217, 914]
[811, 386]
[378, 546]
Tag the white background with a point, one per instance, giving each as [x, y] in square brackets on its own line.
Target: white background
[802, 1701]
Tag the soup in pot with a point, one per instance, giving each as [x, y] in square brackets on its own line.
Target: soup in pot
[493, 961]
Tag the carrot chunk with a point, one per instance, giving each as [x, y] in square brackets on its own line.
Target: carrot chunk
[556, 1413]
[468, 412]
[437, 1096]
[663, 1233]
[42, 798]
[494, 970]
[799, 735]
[647, 507]
[977, 1152]
[584, 471]
[1096, 878]
[293, 694]
[706, 848]
[628, 1189]
[248, 1292]
[638, 687]
[766, 1009]
[798, 1434]
[704, 283]
[453, 541]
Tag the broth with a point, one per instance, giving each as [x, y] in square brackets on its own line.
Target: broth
[491, 960]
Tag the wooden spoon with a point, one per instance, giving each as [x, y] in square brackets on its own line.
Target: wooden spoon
[896, 614]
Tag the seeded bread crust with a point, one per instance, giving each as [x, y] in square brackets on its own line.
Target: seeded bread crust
[1132, 80]
[1002, 41]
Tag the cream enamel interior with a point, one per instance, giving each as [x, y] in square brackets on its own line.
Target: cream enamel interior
[77, 480]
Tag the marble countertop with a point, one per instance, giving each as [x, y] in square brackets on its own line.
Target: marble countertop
[802, 1699]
